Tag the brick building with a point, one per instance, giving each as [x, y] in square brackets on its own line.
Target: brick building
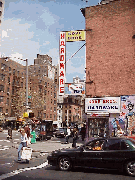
[42, 89]
[110, 56]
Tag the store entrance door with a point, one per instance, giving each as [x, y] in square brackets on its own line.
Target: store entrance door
[98, 127]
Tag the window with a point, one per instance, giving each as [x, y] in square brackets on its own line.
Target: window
[13, 71]
[113, 144]
[124, 145]
[44, 115]
[1, 88]
[54, 95]
[45, 92]
[50, 115]
[95, 145]
[54, 101]
[8, 101]
[9, 68]
[8, 89]
[69, 111]
[1, 109]
[65, 111]
[1, 99]
[0, 13]
[44, 107]
[0, 4]
[54, 108]
[8, 79]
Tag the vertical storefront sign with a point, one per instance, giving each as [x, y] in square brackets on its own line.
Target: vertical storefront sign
[62, 62]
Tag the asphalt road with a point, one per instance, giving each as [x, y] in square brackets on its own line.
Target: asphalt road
[39, 169]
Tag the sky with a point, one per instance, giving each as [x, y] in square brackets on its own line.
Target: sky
[31, 27]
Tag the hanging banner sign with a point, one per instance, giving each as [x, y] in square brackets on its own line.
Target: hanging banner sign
[106, 104]
[75, 36]
[62, 62]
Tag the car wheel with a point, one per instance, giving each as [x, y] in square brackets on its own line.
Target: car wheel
[130, 168]
[64, 163]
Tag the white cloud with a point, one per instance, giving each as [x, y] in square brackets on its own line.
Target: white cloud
[54, 54]
[4, 34]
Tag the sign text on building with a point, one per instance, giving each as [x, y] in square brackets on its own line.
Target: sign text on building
[106, 104]
[75, 36]
[62, 62]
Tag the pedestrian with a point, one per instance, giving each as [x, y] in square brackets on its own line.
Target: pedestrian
[33, 136]
[22, 144]
[9, 133]
[119, 132]
[68, 134]
[83, 132]
[75, 137]
[27, 131]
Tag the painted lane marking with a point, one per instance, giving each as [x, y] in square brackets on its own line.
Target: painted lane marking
[13, 173]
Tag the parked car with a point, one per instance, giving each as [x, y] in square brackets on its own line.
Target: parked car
[104, 153]
[60, 132]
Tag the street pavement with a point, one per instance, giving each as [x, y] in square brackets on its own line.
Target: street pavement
[38, 148]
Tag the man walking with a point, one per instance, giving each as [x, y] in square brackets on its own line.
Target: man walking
[68, 134]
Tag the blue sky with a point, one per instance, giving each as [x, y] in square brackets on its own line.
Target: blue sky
[31, 27]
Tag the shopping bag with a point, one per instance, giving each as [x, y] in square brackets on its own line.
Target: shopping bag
[26, 153]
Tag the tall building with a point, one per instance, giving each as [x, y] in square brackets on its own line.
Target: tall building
[110, 64]
[42, 90]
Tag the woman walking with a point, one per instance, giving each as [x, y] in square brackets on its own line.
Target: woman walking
[24, 141]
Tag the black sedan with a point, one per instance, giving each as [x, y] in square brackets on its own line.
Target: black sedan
[103, 153]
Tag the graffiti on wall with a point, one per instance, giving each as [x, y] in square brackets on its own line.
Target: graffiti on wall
[126, 119]
[128, 113]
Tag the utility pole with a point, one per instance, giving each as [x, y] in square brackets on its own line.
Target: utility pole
[26, 85]
[67, 117]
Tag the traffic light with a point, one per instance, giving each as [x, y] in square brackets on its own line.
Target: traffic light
[31, 115]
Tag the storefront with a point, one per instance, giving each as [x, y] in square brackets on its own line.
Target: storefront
[98, 113]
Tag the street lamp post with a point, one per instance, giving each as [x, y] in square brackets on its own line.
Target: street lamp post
[26, 85]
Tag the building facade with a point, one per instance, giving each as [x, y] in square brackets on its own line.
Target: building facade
[42, 90]
[110, 62]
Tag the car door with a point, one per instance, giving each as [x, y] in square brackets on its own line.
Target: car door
[91, 155]
[112, 156]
